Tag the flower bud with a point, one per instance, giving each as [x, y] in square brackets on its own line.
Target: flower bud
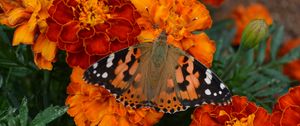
[255, 32]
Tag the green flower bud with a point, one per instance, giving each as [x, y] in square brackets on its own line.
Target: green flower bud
[255, 32]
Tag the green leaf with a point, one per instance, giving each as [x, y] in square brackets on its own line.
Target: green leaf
[1, 80]
[48, 115]
[291, 55]
[277, 39]
[261, 53]
[23, 112]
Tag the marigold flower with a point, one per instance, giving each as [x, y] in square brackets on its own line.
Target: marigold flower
[179, 18]
[287, 109]
[240, 112]
[29, 19]
[90, 29]
[93, 105]
[243, 15]
[26, 16]
[291, 69]
[214, 3]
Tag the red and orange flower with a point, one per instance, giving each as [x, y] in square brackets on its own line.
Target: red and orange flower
[287, 110]
[92, 105]
[179, 18]
[291, 69]
[243, 15]
[29, 19]
[240, 112]
[90, 29]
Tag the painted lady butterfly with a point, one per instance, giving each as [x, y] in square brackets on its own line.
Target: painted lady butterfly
[158, 75]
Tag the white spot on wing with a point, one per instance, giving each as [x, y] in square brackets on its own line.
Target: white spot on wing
[95, 65]
[215, 94]
[207, 92]
[220, 92]
[109, 64]
[104, 75]
[98, 75]
[222, 86]
[94, 71]
[207, 80]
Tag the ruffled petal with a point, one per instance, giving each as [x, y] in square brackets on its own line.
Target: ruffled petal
[53, 30]
[125, 11]
[291, 116]
[86, 33]
[119, 29]
[80, 59]
[203, 49]
[97, 45]
[69, 32]
[24, 34]
[62, 17]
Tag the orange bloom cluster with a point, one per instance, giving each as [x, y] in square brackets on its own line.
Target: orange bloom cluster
[243, 15]
[240, 113]
[292, 69]
[92, 105]
[179, 18]
[214, 3]
[29, 19]
[91, 29]
[287, 110]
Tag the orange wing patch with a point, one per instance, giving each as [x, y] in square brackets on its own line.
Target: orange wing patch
[187, 79]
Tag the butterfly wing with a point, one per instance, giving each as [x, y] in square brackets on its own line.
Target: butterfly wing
[120, 74]
[197, 84]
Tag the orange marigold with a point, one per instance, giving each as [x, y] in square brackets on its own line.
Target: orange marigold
[90, 29]
[243, 15]
[240, 112]
[29, 19]
[179, 18]
[92, 105]
[291, 69]
[287, 109]
[214, 3]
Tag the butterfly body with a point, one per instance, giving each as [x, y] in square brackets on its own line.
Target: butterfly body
[158, 75]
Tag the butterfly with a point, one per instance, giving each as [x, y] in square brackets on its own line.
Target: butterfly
[157, 75]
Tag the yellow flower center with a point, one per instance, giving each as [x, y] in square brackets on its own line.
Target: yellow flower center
[93, 12]
[247, 121]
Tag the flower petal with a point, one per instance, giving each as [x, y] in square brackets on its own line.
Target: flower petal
[80, 59]
[125, 11]
[63, 14]
[41, 62]
[119, 29]
[24, 34]
[53, 30]
[69, 32]
[97, 45]
[45, 47]
[292, 98]
[291, 116]
[203, 49]
[86, 33]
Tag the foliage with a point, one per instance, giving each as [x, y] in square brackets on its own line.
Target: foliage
[20, 78]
